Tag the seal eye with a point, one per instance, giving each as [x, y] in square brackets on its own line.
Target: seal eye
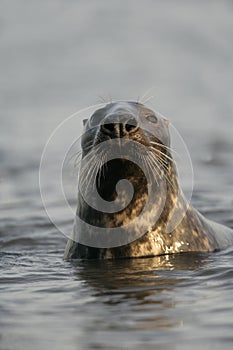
[152, 118]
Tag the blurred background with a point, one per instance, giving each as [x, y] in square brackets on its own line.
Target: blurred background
[57, 57]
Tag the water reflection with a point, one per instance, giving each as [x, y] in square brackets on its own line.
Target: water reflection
[138, 279]
[143, 288]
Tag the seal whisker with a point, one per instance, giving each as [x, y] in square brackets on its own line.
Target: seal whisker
[97, 166]
[163, 161]
[79, 153]
[76, 155]
[155, 171]
[105, 165]
[84, 177]
[93, 166]
[148, 167]
[164, 155]
[143, 98]
[88, 165]
[95, 173]
[164, 146]
[158, 162]
[88, 145]
[152, 172]
[154, 166]
[102, 99]
[78, 160]
[169, 182]
[100, 167]
[149, 99]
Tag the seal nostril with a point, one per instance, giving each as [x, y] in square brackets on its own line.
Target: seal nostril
[119, 125]
[110, 127]
[131, 125]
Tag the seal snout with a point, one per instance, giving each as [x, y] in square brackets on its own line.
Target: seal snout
[119, 125]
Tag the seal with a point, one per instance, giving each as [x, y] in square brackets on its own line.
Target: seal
[171, 224]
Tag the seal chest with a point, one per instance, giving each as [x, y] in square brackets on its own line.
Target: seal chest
[130, 203]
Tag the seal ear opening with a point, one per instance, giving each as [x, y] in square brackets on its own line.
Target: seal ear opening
[166, 121]
[85, 122]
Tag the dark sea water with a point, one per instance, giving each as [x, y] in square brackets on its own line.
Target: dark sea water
[57, 57]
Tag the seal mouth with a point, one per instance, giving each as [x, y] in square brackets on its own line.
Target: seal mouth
[126, 140]
[113, 157]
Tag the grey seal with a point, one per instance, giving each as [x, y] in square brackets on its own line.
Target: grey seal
[193, 232]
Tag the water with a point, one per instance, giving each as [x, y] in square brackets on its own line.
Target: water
[57, 57]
